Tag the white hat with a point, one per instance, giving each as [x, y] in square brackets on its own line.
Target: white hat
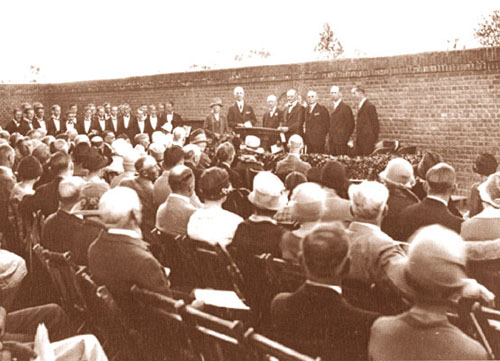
[268, 192]
[398, 171]
[252, 143]
[116, 165]
[489, 190]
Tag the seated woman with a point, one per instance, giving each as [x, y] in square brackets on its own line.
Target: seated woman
[213, 224]
[96, 185]
[307, 206]
[485, 165]
[335, 183]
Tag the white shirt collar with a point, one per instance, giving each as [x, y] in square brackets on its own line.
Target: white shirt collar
[180, 196]
[439, 199]
[337, 289]
[216, 116]
[272, 111]
[337, 103]
[311, 107]
[125, 232]
[362, 102]
[261, 218]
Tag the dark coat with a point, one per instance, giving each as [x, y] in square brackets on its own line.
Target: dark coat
[254, 238]
[234, 117]
[213, 128]
[46, 199]
[291, 164]
[399, 199]
[134, 129]
[80, 127]
[427, 212]
[12, 127]
[367, 128]
[294, 120]
[125, 130]
[274, 121]
[25, 127]
[51, 127]
[341, 128]
[111, 127]
[317, 124]
[318, 321]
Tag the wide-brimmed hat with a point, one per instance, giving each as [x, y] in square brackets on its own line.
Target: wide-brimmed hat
[434, 266]
[489, 191]
[198, 136]
[398, 171]
[307, 202]
[216, 101]
[95, 160]
[252, 144]
[268, 192]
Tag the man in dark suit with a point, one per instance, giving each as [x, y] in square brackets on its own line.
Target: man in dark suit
[125, 122]
[26, 123]
[294, 115]
[55, 125]
[63, 231]
[433, 209]
[341, 124]
[316, 124]
[171, 117]
[112, 121]
[240, 112]
[292, 162]
[273, 118]
[367, 126]
[13, 125]
[153, 119]
[140, 125]
[85, 125]
[100, 120]
[316, 319]
[46, 197]
[39, 121]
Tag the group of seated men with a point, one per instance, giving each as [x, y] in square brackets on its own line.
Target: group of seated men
[325, 128]
[341, 234]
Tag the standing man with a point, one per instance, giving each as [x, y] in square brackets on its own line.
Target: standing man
[38, 121]
[317, 122]
[240, 112]
[27, 121]
[100, 123]
[113, 124]
[13, 125]
[273, 118]
[107, 110]
[171, 117]
[294, 115]
[125, 122]
[84, 126]
[140, 126]
[153, 119]
[341, 124]
[55, 125]
[367, 127]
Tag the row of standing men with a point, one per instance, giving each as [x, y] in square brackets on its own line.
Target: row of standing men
[324, 131]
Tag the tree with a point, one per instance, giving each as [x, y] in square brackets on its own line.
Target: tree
[329, 47]
[488, 31]
[34, 74]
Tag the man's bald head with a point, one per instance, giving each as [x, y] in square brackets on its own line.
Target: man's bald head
[120, 207]
[181, 180]
[295, 143]
[70, 191]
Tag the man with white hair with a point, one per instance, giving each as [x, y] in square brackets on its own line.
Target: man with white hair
[179, 138]
[119, 258]
[292, 162]
[240, 113]
[373, 252]
[273, 118]
[341, 124]
[294, 115]
[316, 124]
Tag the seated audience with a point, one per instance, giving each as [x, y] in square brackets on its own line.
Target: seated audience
[179, 136]
[398, 178]
[129, 159]
[433, 209]
[260, 233]
[66, 231]
[292, 180]
[224, 157]
[199, 138]
[316, 319]
[192, 156]
[171, 157]
[213, 224]
[292, 161]
[307, 205]
[119, 258]
[433, 273]
[79, 156]
[7, 182]
[46, 197]
[247, 165]
[142, 184]
[485, 165]
[173, 215]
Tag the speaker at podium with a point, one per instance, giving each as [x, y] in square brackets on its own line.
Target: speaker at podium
[267, 136]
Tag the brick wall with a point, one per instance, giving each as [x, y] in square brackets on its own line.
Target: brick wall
[448, 102]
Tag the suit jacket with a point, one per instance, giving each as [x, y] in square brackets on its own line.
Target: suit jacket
[176, 120]
[173, 215]
[290, 164]
[111, 127]
[318, 321]
[427, 212]
[399, 199]
[12, 127]
[367, 128]
[294, 120]
[144, 190]
[234, 117]
[212, 127]
[341, 124]
[317, 124]
[46, 199]
[25, 127]
[37, 125]
[97, 126]
[134, 129]
[80, 127]
[64, 232]
[51, 127]
[121, 126]
[274, 121]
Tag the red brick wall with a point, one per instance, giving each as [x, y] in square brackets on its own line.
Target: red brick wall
[448, 102]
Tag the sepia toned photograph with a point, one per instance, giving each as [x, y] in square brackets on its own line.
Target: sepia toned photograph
[257, 181]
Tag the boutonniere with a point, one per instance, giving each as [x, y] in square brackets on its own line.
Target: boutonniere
[247, 112]
[316, 113]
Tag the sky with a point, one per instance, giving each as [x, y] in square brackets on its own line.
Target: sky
[72, 40]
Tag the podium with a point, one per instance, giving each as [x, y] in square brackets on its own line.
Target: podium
[268, 136]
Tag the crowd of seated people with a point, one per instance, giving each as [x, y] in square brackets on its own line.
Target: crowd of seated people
[397, 242]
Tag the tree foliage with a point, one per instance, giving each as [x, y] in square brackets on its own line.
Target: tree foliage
[488, 31]
[328, 47]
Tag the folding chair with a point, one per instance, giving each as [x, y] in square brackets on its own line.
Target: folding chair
[120, 341]
[214, 338]
[267, 348]
[166, 334]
